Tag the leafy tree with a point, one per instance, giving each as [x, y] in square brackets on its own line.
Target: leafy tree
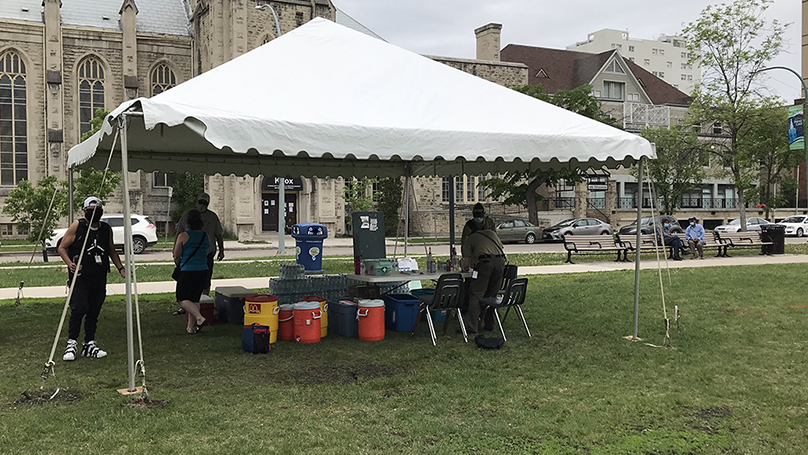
[519, 188]
[733, 42]
[28, 206]
[187, 188]
[768, 150]
[358, 195]
[88, 182]
[678, 166]
[389, 203]
[96, 122]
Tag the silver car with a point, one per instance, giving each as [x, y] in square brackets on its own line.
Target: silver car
[753, 223]
[577, 226]
[518, 231]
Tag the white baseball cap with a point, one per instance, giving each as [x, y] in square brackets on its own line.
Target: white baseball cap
[92, 201]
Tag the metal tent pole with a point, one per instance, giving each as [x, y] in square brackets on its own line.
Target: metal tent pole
[637, 257]
[451, 212]
[127, 234]
[70, 196]
[281, 214]
[406, 209]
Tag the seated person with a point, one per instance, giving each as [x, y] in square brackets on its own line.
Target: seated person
[672, 240]
[289, 224]
[694, 234]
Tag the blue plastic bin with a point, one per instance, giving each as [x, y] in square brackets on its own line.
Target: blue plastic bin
[437, 315]
[342, 318]
[309, 237]
[400, 311]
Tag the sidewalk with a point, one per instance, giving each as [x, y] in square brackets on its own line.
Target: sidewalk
[157, 287]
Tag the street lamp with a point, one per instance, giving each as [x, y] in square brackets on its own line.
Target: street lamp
[274, 16]
[804, 102]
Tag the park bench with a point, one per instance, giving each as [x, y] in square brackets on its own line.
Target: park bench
[592, 244]
[748, 239]
[648, 243]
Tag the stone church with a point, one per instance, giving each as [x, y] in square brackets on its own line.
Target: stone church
[60, 60]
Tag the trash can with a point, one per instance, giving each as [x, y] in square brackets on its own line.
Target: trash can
[775, 233]
[309, 237]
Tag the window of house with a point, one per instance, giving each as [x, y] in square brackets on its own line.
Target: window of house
[21, 231]
[631, 58]
[617, 46]
[596, 93]
[670, 64]
[717, 129]
[662, 52]
[459, 188]
[654, 51]
[655, 73]
[613, 90]
[647, 61]
[684, 77]
[445, 187]
[631, 48]
[162, 79]
[376, 191]
[6, 229]
[614, 67]
[91, 91]
[13, 119]
[163, 179]
[481, 190]
[633, 96]
[684, 54]
[662, 74]
[690, 77]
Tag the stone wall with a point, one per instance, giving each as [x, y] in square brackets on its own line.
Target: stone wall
[502, 73]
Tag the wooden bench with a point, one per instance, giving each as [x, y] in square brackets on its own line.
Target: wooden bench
[748, 239]
[648, 243]
[592, 244]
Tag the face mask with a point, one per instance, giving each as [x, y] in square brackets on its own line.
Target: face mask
[93, 216]
[479, 220]
[692, 223]
[667, 225]
[201, 207]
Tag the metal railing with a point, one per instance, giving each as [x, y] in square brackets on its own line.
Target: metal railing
[596, 202]
[557, 203]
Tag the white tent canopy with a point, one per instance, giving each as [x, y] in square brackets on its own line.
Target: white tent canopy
[325, 100]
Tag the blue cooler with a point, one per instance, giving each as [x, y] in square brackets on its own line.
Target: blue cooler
[342, 318]
[400, 311]
[437, 315]
[309, 237]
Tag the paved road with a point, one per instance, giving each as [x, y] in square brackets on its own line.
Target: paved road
[331, 247]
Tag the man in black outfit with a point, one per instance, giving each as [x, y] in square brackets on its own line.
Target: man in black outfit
[90, 289]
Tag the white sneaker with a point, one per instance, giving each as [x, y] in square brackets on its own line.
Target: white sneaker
[89, 349]
[70, 351]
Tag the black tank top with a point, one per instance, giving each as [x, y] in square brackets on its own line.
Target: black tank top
[97, 247]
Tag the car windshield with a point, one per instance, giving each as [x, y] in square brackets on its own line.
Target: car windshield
[735, 222]
[793, 219]
[565, 223]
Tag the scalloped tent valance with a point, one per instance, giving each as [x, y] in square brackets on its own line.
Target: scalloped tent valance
[328, 101]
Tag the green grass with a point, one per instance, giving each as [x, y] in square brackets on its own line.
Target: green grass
[735, 382]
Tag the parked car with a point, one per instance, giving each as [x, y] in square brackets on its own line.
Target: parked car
[576, 226]
[647, 225]
[753, 223]
[796, 225]
[144, 233]
[518, 231]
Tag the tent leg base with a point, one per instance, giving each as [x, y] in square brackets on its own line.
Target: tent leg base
[131, 392]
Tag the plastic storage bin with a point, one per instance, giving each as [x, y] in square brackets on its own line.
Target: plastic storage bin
[343, 317]
[400, 311]
[229, 302]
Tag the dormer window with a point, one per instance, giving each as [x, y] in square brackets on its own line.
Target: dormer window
[614, 67]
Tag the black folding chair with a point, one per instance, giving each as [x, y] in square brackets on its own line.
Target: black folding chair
[514, 297]
[446, 298]
[509, 274]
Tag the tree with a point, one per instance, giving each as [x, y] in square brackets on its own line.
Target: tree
[187, 188]
[678, 166]
[519, 188]
[28, 206]
[389, 203]
[768, 149]
[733, 42]
[88, 183]
[96, 122]
[358, 195]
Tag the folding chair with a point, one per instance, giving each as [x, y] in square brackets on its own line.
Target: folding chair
[514, 297]
[509, 274]
[446, 297]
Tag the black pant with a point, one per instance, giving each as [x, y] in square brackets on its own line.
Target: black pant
[86, 303]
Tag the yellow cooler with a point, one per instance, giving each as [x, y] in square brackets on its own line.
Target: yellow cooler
[262, 309]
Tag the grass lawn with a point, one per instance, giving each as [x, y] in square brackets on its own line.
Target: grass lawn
[733, 384]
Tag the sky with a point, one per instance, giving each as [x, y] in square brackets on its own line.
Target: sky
[446, 27]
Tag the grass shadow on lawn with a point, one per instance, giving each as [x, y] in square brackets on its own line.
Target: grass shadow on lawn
[734, 383]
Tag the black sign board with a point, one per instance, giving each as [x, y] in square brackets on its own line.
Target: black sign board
[290, 184]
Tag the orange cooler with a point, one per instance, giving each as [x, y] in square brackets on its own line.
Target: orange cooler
[323, 310]
[371, 320]
[262, 309]
[286, 322]
[307, 322]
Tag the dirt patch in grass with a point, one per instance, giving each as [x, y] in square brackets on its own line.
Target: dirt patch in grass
[146, 403]
[338, 373]
[45, 396]
[709, 413]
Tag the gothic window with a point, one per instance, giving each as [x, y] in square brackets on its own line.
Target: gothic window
[13, 120]
[445, 188]
[91, 91]
[162, 79]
